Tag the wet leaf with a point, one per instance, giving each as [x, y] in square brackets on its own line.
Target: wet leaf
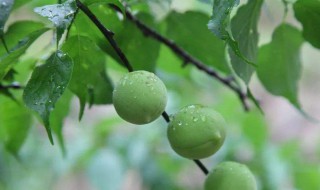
[47, 84]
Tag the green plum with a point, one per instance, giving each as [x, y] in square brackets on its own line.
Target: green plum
[230, 176]
[140, 97]
[196, 132]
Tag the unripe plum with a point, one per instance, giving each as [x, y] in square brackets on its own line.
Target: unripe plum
[140, 97]
[230, 176]
[196, 132]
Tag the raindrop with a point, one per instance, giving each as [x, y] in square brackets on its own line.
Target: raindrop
[195, 119]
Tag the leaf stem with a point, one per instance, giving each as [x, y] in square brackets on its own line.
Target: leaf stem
[109, 36]
[4, 44]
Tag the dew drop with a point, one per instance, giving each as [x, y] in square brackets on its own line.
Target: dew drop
[179, 123]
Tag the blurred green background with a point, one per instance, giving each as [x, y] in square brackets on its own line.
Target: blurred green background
[281, 147]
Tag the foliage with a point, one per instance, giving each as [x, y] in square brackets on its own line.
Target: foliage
[59, 52]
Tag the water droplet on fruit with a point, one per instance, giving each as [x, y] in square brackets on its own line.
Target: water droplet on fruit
[195, 119]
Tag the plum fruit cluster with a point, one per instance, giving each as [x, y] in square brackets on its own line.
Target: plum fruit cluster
[194, 132]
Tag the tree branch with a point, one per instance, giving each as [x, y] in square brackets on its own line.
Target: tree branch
[109, 36]
[186, 57]
[11, 86]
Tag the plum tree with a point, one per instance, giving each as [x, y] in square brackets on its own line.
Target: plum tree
[140, 97]
[196, 132]
[229, 176]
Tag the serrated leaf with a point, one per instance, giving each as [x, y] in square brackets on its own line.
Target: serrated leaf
[5, 9]
[89, 80]
[8, 60]
[219, 24]
[245, 32]
[60, 15]
[47, 84]
[15, 122]
[58, 116]
[189, 31]
[308, 13]
[279, 63]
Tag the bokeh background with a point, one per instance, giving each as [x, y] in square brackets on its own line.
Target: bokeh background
[103, 152]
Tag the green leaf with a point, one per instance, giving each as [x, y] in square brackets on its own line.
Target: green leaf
[279, 63]
[308, 13]
[116, 3]
[19, 3]
[219, 24]
[15, 121]
[17, 32]
[5, 9]
[8, 60]
[60, 15]
[58, 115]
[189, 31]
[47, 84]
[245, 32]
[221, 17]
[89, 80]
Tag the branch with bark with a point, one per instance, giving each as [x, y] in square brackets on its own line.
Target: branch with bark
[109, 36]
[186, 57]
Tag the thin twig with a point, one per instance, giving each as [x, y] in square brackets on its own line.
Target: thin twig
[109, 35]
[187, 58]
[11, 86]
[201, 166]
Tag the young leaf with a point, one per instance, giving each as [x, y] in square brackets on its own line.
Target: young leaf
[189, 31]
[279, 63]
[5, 9]
[47, 84]
[8, 60]
[89, 72]
[60, 15]
[244, 30]
[220, 25]
[15, 131]
[308, 13]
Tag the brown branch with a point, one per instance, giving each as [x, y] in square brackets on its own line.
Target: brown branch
[186, 57]
[109, 35]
